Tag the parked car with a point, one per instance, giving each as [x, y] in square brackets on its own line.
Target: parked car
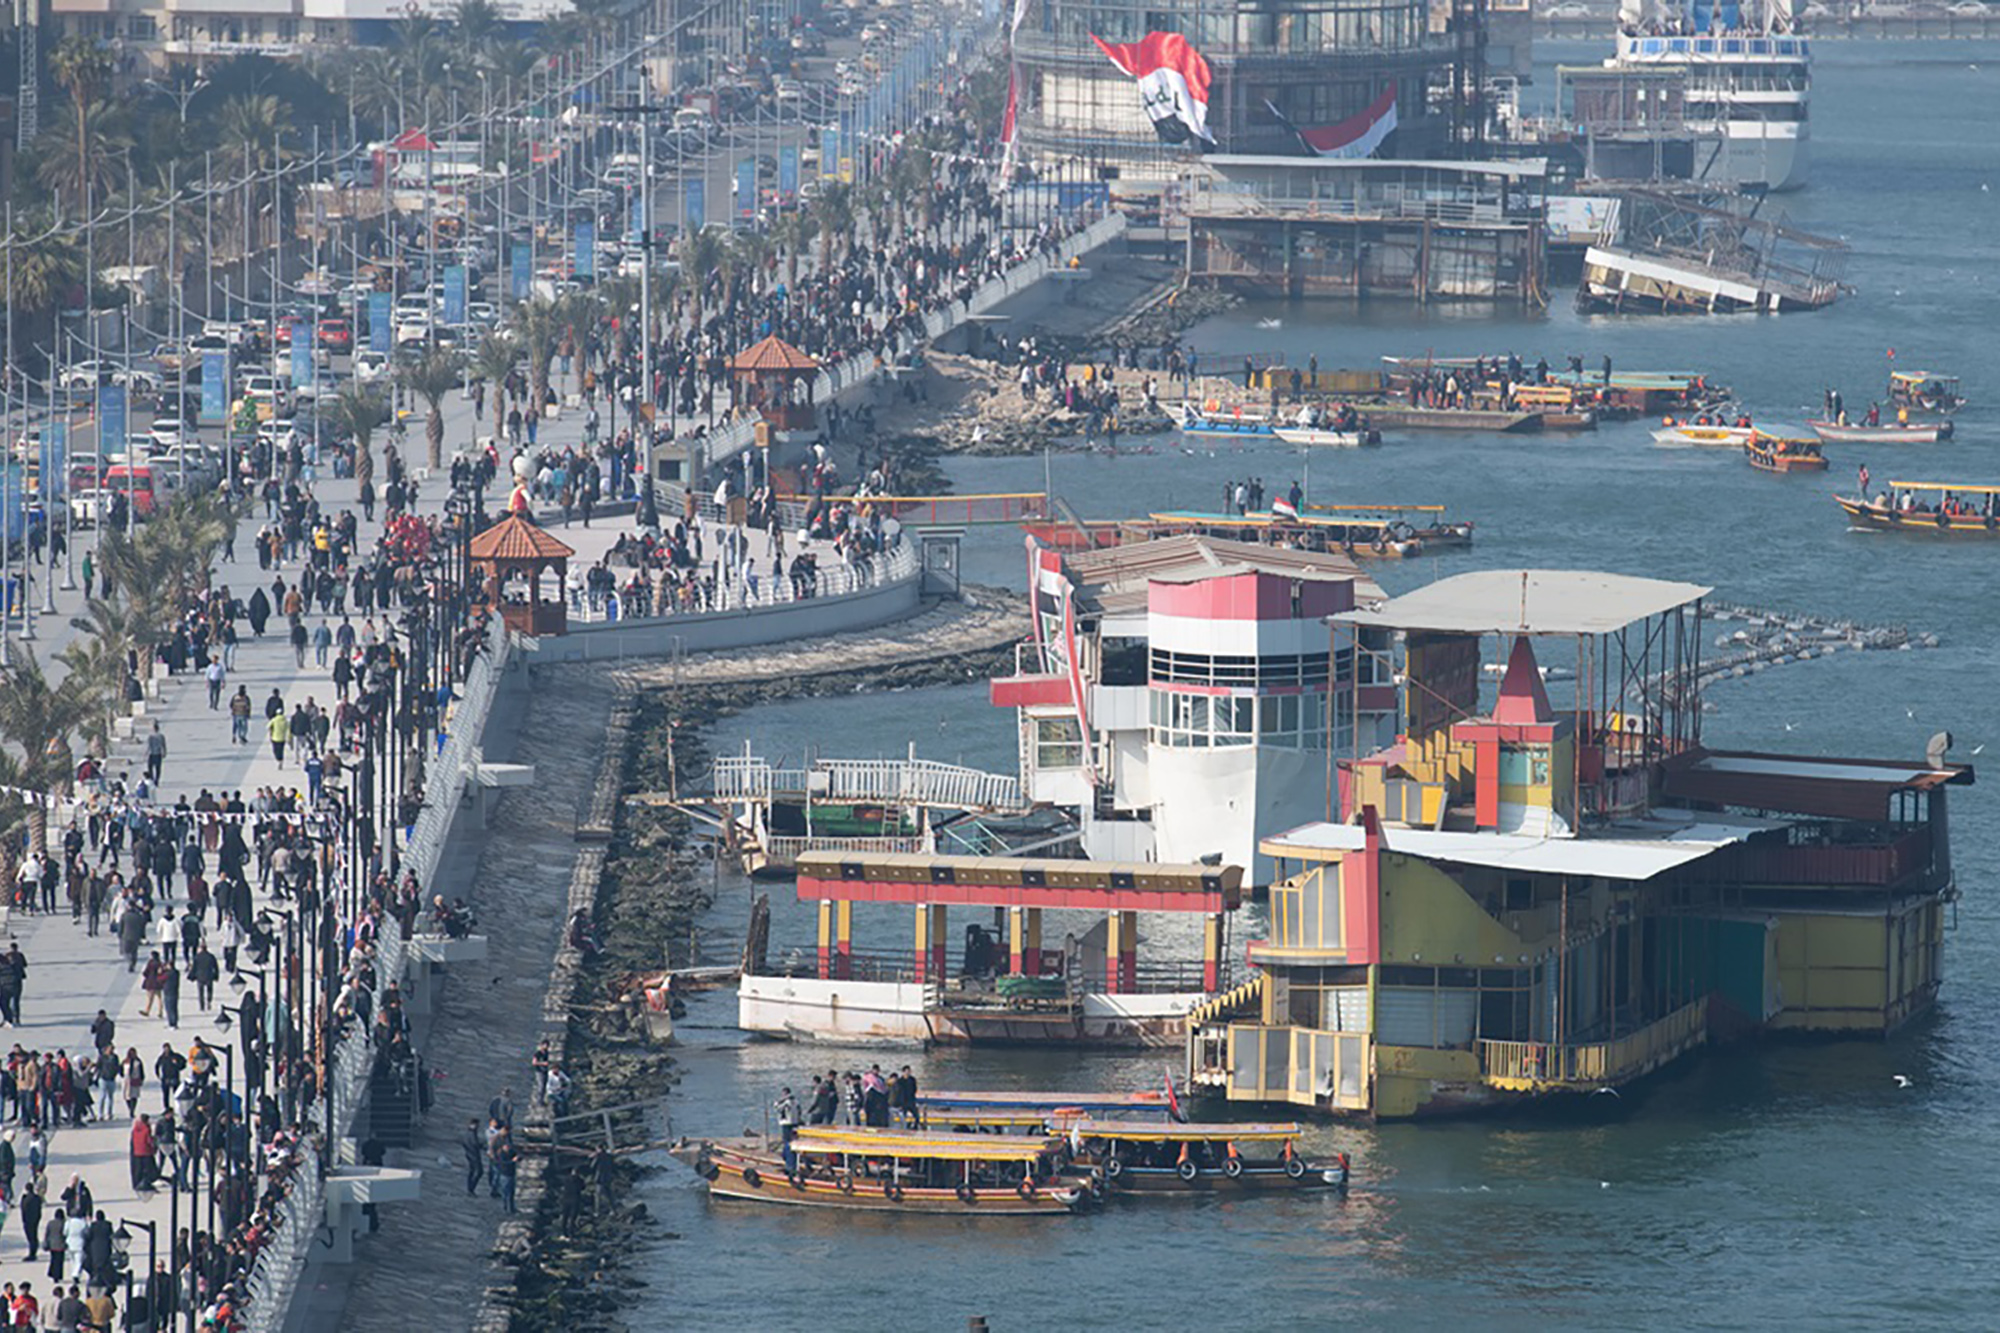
[336, 335]
[166, 432]
[370, 367]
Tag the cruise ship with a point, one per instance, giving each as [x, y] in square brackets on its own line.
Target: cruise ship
[1745, 77]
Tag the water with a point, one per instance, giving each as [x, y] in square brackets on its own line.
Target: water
[1790, 1184]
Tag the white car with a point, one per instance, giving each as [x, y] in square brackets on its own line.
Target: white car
[86, 374]
[86, 505]
[142, 381]
[166, 432]
[413, 331]
[482, 313]
[370, 367]
[412, 305]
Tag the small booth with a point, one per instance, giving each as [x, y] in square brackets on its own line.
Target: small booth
[515, 547]
[776, 378]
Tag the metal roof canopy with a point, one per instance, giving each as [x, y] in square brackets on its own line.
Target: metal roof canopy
[999, 881]
[1527, 168]
[1657, 845]
[1560, 602]
[1856, 789]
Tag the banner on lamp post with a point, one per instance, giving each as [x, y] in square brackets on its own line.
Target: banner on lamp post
[214, 388]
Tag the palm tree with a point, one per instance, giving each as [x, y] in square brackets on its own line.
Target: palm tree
[39, 718]
[83, 68]
[702, 255]
[99, 661]
[71, 162]
[358, 410]
[47, 265]
[248, 124]
[835, 216]
[540, 330]
[430, 377]
[493, 362]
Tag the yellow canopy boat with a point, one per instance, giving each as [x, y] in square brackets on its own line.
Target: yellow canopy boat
[896, 1170]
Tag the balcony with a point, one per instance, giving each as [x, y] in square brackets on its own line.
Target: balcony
[1533, 1066]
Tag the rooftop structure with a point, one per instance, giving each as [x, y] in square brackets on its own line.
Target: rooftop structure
[1183, 694]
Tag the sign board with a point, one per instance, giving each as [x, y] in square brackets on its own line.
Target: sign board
[214, 388]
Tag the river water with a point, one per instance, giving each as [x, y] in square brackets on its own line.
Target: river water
[1790, 1184]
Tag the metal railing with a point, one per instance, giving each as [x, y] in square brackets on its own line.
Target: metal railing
[1595, 1064]
[735, 592]
[877, 781]
[785, 852]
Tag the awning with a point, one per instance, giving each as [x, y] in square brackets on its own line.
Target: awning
[1802, 785]
[1530, 601]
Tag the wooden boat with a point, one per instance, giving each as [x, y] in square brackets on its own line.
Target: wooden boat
[1339, 439]
[1770, 453]
[1361, 532]
[1931, 518]
[1401, 416]
[1047, 1111]
[893, 1171]
[1725, 436]
[1219, 420]
[1138, 1158]
[1924, 391]
[1889, 432]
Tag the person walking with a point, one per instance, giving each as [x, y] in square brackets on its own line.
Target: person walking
[30, 1208]
[239, 716]
[474, 1144]
[280, 730]
[13, 978]
[156, 753]
[216, 675]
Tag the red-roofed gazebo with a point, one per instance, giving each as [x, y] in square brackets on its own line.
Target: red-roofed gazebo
[776, 378]
[515, 546]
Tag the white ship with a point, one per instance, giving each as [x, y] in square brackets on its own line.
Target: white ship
[1747, 75]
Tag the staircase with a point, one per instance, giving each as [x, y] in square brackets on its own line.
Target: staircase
[1233, 1003]
[392, 1109]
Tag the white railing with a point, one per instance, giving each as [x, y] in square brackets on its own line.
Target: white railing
[274, 1278]
[879, 781]
[735, 593]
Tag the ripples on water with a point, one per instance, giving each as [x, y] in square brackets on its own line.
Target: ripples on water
[1794, 1185]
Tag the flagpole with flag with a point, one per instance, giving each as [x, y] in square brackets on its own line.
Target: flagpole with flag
[1010, 123]
[1173, 82]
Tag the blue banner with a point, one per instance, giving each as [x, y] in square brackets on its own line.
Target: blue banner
[381, 337]
[586, 250]
[788, 172]
[697, 204]
[454, 295]
[55, 460]
[214, 388]
[746, 189]
[520, 277]
[636, 228]
[111, 421]
[302, 353]
[14, 501]
[829, 154]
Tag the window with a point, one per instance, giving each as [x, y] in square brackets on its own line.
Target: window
[141, 28]
[1058, 743]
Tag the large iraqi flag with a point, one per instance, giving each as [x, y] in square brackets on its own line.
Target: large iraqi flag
[1173, 82]
[1357, 136]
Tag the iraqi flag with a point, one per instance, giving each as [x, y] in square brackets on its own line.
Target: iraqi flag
[1173, 82]
[1357, 136]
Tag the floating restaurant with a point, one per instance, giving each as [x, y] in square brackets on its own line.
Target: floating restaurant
[1539, 897]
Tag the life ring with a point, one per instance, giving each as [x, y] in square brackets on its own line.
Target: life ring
[1233, 1168]
[1026, 1189]
[891, 1190]
[1114, 1166]
[964, 1192]
[1188, 1170]
[845, 1180]
[751, 1178]
[1295, 1167]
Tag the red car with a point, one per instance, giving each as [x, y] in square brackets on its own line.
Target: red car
[336, 335]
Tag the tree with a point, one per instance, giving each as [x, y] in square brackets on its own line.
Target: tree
[835, 215]
[357, 411]
[83, 68]
[540, 329]
[72, 162]
[703, 255]
[493, 362]
[430, 377]
[40, 718]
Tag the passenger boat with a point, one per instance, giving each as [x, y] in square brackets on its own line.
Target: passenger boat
[1361, 532]
[1726, 436]
[1771, 453]
[1049, 1112]
[1937, 517]
[894, 1171]
[1339, 439]
[1138, 1158]
[1216, 419]
[1922, 391]
[1890, 432]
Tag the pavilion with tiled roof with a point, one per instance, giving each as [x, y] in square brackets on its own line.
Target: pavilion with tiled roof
[515, 546]
[776, 378]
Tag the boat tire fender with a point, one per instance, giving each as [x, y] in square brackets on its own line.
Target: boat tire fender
[1026, 1189]
[891, 1190]
[1233, 1168]
[1188, 1170]
[964, 1192]
[1295, 1167]
[1941, 520]
[846, 1182]
[705, 1168]
[1114, 1167]
[751, 1178]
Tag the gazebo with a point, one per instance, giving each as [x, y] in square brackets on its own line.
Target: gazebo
[515, 546]
[776, 378]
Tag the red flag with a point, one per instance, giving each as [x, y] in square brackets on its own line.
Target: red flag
[1174, 1103]
[1173, 82]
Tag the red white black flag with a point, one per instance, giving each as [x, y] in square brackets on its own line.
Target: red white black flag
[1357, 136]
[1173, 82]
